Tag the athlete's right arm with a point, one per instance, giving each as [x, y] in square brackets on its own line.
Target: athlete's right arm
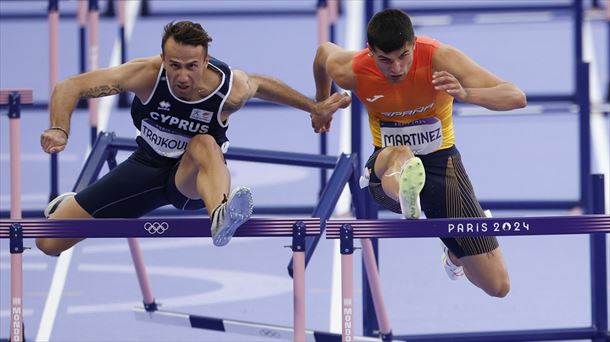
[137, 76]
[331, 63]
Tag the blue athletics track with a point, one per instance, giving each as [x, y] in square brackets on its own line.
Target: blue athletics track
[522, 163]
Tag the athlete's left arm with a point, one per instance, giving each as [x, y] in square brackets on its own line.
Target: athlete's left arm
[247, 86]
[465, 80]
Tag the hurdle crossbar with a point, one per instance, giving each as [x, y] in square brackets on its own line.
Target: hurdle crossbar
[243, 154]
[153, 227]
[464, 227]
[276, 332]
[25, 96]
[347, 230]
[17, 229]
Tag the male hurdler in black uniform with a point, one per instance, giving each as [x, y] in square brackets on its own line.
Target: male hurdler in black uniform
[183, 100]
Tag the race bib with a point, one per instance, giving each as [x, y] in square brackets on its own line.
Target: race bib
[165, 142]
[423, 136]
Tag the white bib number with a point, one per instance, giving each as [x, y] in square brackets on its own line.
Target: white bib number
[164, 142]
[423, 136]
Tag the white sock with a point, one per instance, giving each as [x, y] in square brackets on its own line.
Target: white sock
[451, 264]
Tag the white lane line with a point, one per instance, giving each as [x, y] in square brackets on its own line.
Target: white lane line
[108, 103]
[335, 295]
[515, 17]
[529, 110]
[600, 151]
[432, 20]
[26, 313]
[55, 292]
[41, 197]
[27, 266]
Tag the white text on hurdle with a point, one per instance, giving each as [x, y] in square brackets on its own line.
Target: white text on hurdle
[483, 227]
[347, 318]
[16, 324]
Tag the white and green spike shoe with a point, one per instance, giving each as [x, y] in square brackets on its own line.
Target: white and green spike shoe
[412, 179]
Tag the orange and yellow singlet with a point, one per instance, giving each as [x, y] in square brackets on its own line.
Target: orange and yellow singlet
[410, 112]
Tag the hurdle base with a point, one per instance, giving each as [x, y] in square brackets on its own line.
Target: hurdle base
[386, 337]
[235, 327]
[151, 307]
[588, 333]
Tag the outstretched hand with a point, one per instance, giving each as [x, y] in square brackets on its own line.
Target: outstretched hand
[53, 140]
[443, 80]
[323, 112]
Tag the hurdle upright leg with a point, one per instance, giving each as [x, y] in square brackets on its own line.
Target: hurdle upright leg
[14, 98]
[138, 263]
[372, 274]
[347, 283]
[17, 332]
[298, 280]
[597, 261]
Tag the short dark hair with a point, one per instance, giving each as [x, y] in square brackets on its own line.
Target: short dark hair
[186, 32]
[389, 30]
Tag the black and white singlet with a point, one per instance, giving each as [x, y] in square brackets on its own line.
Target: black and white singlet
[145, 181]
[167, 123]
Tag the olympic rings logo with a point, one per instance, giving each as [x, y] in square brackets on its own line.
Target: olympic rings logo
[269, 333]
[156, 227]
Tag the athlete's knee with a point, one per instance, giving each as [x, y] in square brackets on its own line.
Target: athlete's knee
[202, 143]
[392, 157]
[499, 286]
[399, 152]
[202, 150]
[50, 247]
[70, 209]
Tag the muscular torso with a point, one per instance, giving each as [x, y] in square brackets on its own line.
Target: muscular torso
[410, 112]
[167, 122]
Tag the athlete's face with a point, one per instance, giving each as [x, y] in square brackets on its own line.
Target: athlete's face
[396, 64]
[184, 65]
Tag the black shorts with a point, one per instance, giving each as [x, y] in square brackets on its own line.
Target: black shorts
[140, 184]
[447, 193]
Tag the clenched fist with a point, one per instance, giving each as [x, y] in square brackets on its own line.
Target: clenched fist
[53, 140]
